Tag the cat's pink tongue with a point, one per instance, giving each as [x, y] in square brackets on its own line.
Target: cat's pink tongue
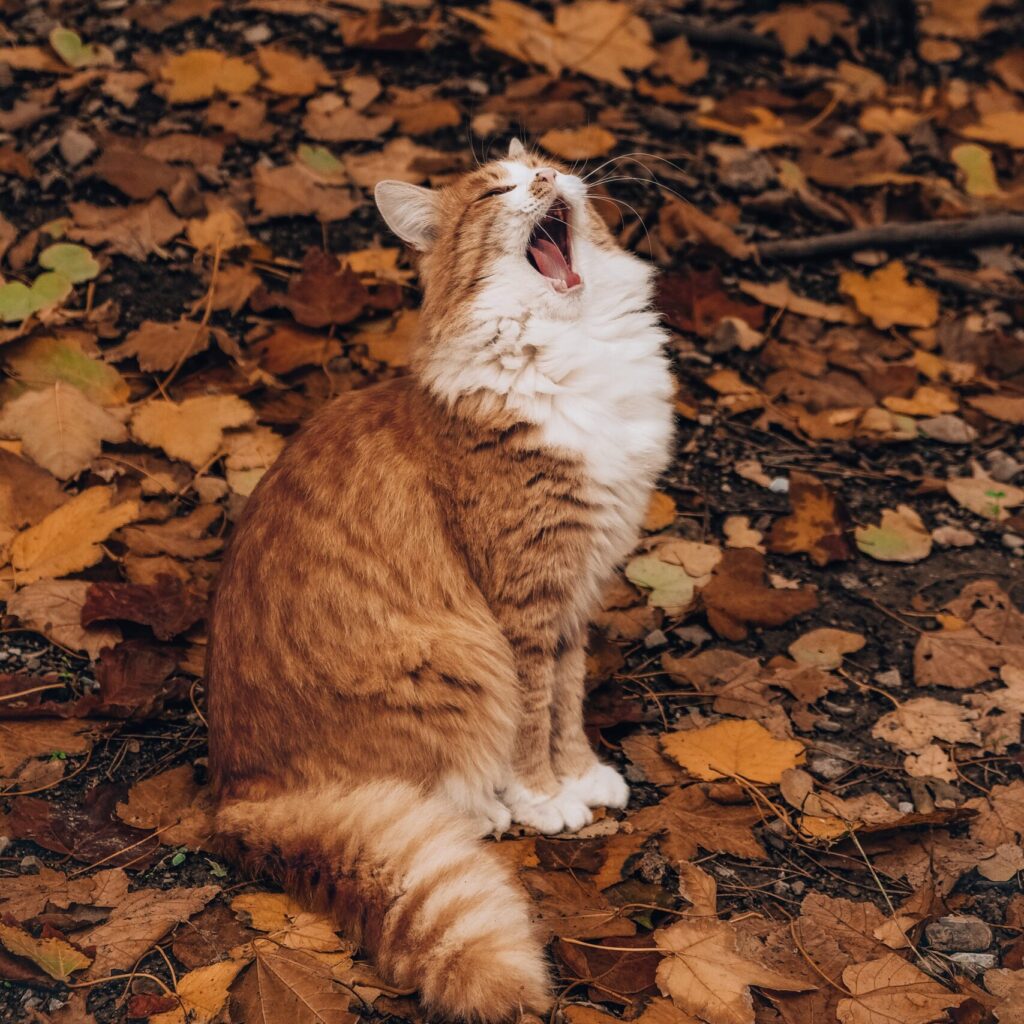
[551, 264]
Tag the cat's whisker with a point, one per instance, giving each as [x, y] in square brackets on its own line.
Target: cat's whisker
[633, 156]
[646, 181]
[628, 206]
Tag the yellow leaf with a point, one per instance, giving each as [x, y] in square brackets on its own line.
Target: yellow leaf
[287, 922]
[59, 959]
[735, 747]
[69, 538]
[661, 512]
[202, 993]
[199, 74]
[889, 298]
[975, 162]
[926, 401]
[1001, 126]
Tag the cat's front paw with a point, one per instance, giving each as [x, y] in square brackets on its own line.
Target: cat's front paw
[549, 815]
[599, 786]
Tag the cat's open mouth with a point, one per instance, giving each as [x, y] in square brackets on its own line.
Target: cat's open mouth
[550, 248]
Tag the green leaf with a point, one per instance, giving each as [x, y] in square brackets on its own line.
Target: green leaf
[670, 586]
[49, 289]
[76, 53]
[15, 302]
[321, 161]
[75, 262]
[177, 860]
[39, 362]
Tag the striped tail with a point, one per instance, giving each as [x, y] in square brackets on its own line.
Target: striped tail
[403, 876]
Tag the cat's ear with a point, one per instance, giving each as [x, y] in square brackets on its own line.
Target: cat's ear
[516, 150]
[410, 211]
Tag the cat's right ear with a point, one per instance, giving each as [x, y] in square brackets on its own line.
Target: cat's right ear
[516, 150]
[410, 211]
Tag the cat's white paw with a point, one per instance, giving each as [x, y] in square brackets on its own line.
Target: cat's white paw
[563, 812]
[600, 786]
[494, 820]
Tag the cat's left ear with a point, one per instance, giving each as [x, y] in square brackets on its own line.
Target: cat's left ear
[410, 211]
[516, 150]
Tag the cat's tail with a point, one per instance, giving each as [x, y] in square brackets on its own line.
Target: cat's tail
[403, 876]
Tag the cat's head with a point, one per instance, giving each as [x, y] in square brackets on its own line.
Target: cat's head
[523, 222]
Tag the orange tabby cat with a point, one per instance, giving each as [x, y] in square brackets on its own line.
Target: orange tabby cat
[397, 641]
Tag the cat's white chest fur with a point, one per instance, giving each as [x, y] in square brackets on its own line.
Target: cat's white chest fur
[592, 376]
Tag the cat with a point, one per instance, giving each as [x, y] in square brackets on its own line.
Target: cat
[396, 653]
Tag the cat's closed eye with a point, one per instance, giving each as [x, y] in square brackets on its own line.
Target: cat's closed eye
[498, 190]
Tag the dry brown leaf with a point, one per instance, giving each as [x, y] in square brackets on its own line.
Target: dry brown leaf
[733, 748]
[890, 989]
[1008, 408]
[54, 608]
[134, 231]
[291, 74]
[705, 973]
[818, 524]
[599, 38]
[1009, 987]
[142, 918]
[27, 494]
[888, 298]
[62, 430]
[69, 538]
[192, 430]
[578, 143]
[824, 648]
[988, 498]
[160, 346]
[174, 803]
[704, 228]
[291, 985]
[294, 190]
[330, 119]
[796, 26]
[22, 740]
[915, 723]
[57, 957]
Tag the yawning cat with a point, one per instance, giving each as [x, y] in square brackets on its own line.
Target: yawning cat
[397, 644]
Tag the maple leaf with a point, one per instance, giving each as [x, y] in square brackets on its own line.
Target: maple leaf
[796, 26]
[199, 74]
[572, 907]
[159, 346]
[888, 298]
[599, 38]
[705, 974]
[733, 748]
[62, 430]
[191, 430]
[291, 74]
[202, 993]
[890, 988]
[288, 923]
[327, 291]
[134, 231]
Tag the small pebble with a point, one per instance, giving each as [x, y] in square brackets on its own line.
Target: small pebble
[828, 768]
[890, 677]
[656, 638]
[779, 485]
[1012, 541]
[256, 34]
[798, 887]
[959, 933]
[76, 147]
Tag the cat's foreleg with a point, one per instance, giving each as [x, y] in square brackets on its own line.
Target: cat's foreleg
[573, 761]
[533, 794]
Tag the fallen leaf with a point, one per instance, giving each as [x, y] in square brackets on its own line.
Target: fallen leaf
[985, 497]
[901, 537]
[24, 740]
[975, 163]
[192, 430]
[202, 993]
[287, 923]
[57, 957]
[890, 988]
[796, 26]
[779, 295]
[327, 291]
[669, 586]
[1008, 408]
[134, 231]
[739, 534]
[733, 748]
[296, 190]
[888, 298]
[42, 360]
[54, 608]
[738, 597]
[69, 539]
[1003, 127]
[599, 38]
[818, 524]
[330, 119]
[825, 648]
[200, 74]
[290, 985]
[160, 346]
[705, 973]
[142, 918]
[916, 723]
[291, 74]
[578, 143]
[60, 427]
[1003, 865]
[166, 606]
[661, 512]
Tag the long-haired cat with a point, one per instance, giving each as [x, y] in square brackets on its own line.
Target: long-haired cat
[397, 645]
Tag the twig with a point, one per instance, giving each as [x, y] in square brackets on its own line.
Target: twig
[999, 227]
[728, 33]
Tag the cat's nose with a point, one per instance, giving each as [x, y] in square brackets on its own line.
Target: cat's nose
[546, 174]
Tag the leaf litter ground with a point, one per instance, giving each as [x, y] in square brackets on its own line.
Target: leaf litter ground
[813, 670]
